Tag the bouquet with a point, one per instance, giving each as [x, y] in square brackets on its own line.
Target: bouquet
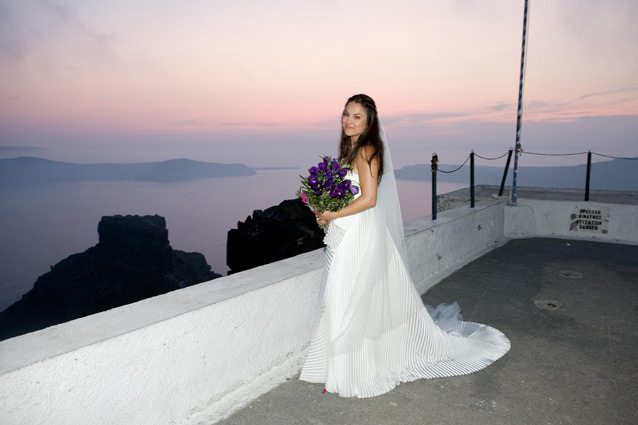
[326, 188]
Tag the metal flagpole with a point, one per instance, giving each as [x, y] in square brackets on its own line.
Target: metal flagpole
[519, 116]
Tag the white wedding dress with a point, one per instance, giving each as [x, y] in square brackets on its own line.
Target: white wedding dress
[374, 330]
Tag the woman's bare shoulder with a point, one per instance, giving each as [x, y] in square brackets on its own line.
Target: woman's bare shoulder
[366, 160]
[366, 152]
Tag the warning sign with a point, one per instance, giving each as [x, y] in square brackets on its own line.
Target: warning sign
[590, 220]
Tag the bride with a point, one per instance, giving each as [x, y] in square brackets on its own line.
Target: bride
[374, 331]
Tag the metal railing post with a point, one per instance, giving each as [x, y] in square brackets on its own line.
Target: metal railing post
[435, 160]
[507, 167]
[472, 179]
[588, 175]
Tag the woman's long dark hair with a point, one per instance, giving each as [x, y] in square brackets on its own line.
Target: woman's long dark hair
[370, 136]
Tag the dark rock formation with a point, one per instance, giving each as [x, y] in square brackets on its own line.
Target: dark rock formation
[271, 235]
[132, 261]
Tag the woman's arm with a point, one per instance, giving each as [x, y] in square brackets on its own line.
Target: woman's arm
[368, 181]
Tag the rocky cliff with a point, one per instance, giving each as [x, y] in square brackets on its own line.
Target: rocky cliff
[273, 234]
[132, 261]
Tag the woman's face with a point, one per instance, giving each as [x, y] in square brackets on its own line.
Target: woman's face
[354, 120]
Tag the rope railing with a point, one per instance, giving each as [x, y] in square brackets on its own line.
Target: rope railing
[470, 158]
[456, 169]
[492, 159]
[555, 154]
[635, 158]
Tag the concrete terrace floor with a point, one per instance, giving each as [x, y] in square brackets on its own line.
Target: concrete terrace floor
[570, 364]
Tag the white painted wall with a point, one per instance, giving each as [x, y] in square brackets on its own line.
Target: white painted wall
[544, 218]
[161, 360]
[436, 248]
[201, 352]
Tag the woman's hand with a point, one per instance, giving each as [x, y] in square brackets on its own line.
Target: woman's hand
[325, 217]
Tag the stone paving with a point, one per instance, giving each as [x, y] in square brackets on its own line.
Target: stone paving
[570, 309]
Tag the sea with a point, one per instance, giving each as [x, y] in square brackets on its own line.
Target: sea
[42, 225]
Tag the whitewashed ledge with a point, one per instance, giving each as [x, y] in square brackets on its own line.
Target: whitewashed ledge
[195, 355]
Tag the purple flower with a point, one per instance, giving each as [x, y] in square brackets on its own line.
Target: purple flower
[326, 186]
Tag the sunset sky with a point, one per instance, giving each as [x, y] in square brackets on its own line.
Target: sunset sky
[264, 82]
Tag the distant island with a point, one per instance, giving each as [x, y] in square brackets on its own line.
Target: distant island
[617, 174]
[33, 171]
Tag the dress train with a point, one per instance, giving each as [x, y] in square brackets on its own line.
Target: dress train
[374, 330]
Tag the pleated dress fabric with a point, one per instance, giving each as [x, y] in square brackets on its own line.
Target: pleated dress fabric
[374, 331]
